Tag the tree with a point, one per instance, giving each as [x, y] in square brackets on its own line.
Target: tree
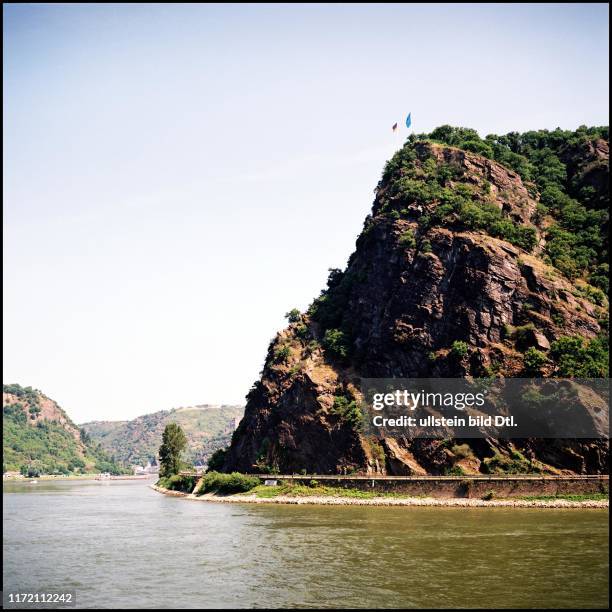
[216, 461]
[173, 443]
[336, 342]
[294, 315]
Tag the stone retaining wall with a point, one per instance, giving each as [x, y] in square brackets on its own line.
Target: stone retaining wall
[462, 486]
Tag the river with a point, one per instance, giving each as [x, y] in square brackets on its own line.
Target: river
[120, 544]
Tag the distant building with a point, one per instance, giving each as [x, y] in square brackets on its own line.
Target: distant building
[151, 468]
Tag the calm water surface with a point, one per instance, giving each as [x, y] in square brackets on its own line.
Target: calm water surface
[120, 544]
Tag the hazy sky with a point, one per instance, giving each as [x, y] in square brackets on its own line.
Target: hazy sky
[177, 177]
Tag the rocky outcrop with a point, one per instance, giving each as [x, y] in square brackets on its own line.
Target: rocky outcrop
[411, 290]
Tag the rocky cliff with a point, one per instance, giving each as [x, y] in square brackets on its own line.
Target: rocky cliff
[463, 268]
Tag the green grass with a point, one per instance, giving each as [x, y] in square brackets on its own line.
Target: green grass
[299, 490]
[579, 497]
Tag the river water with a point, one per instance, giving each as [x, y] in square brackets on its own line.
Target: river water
[121, 544]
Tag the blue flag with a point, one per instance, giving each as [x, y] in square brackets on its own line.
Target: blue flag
[408, 120]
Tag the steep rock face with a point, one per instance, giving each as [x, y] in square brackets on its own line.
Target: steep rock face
[290, 422]
[411, 289]
[469, 287]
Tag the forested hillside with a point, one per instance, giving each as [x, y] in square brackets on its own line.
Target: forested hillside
[39, 438]
[207, 428]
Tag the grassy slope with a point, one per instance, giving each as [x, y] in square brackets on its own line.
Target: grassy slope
[138, 440]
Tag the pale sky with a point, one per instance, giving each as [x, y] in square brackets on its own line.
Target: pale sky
[177, 177]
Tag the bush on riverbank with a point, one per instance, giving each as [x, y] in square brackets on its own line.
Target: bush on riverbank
[178, 482]
[227, 483]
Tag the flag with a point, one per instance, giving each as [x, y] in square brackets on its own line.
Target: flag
[394, 127]
[408, 121]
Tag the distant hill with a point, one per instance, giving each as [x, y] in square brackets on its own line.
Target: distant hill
[40, 438]
[207, 428]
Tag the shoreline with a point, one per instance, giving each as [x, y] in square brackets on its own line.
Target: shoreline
[51, 478]
[450, 502]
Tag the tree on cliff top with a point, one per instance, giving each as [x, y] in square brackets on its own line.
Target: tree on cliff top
[173, 444]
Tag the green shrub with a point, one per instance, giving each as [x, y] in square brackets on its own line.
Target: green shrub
[281, 354]
[459, 349]
[534, 360]
[328, 309]
[294, 315]
[217, 459]
[348, 411]
[478, 146]
[499, 464]
[295, 368]
[336, 342]
[312, 346]
[456, 470]
[227, 483]
[178, 482]
[425, 246]
[600, 277]
[576, 357]
[593, 294]
[301, 331]
[407, 239]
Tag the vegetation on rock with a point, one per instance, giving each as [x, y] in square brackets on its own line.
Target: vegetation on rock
[482, 257]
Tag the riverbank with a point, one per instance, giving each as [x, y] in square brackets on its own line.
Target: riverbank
[348, 500]
[54, 478]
